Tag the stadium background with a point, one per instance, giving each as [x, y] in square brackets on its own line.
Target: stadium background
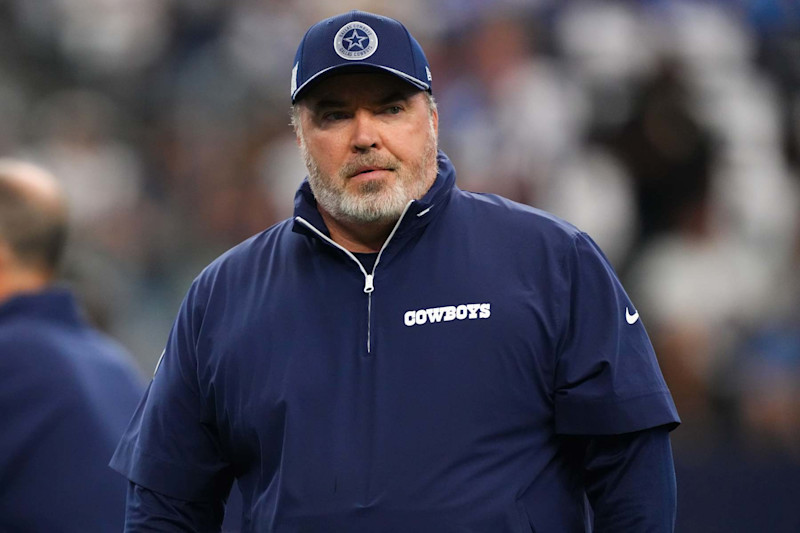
[670, 131]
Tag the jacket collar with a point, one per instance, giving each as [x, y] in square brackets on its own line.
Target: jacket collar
[420, 213]
[55, 304]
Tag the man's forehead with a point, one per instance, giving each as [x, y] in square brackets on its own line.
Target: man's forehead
[367, 86]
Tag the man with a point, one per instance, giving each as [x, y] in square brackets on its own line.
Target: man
[401, 356]
[66, 391]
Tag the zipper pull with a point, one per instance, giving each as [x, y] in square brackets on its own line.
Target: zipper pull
[368, 286]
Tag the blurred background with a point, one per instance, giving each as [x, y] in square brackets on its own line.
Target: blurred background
[669, 131]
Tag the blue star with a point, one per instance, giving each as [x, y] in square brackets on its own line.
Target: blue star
[355, 37]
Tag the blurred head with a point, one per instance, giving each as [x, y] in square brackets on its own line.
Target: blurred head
[769, 388]
[365, 120]
[33, 224]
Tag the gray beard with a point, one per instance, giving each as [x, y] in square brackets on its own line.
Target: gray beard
[375, 202]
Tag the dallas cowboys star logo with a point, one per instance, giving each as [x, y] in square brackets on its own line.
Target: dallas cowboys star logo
[355, 39]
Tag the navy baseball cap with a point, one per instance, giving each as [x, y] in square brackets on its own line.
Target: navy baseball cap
[356, 42]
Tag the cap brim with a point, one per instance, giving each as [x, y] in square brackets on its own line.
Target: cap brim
[355, 68]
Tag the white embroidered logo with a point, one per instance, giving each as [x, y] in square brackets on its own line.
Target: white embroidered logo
[448, 313]
[355, 41]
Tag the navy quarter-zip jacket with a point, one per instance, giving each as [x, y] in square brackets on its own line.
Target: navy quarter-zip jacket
[441, 391]
[67, 393]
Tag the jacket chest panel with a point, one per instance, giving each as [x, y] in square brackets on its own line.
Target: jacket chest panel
[471, 370]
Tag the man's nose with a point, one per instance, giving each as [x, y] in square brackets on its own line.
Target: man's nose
[365, 131]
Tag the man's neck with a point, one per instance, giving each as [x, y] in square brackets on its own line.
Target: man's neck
[355, 237]
[16, 283]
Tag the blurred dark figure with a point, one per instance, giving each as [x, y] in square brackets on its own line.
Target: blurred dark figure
[66, 391]
[668, 154]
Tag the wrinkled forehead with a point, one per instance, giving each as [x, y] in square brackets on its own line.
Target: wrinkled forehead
[362, 87]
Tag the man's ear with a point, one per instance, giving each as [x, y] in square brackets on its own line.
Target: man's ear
[297, 117]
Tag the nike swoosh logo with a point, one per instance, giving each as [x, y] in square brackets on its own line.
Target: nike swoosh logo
[631, 318]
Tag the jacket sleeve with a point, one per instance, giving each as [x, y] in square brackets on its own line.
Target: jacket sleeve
[172, 445]
[148, 511]
[607, 377]
[630, 481]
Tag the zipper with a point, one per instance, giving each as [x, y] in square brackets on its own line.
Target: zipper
[369, 277]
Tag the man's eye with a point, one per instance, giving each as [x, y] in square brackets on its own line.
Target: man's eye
[335, 115]
[394, 110]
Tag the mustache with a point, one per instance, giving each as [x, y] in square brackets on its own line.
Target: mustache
[368, 160]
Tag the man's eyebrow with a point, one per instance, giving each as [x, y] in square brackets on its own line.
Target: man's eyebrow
[396, 96]
[327, 104]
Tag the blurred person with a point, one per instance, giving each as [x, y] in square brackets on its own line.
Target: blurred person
[79, 137]
[767, 372]
[13, 106]
[110, 39]
[514, 115]
[769, 390]
[667, 152]
[66, 391]
[401, 355]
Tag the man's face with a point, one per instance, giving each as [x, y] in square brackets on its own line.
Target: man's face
[369, 143]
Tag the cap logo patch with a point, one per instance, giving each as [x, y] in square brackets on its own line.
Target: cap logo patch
[355, 41]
